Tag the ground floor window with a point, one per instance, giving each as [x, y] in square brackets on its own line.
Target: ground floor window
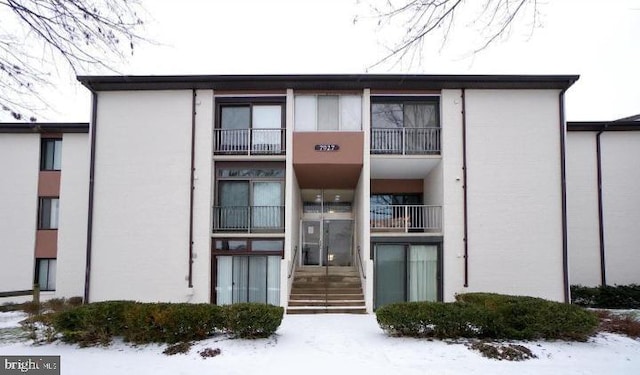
[45, 275]
[405, 272]
[247, 278]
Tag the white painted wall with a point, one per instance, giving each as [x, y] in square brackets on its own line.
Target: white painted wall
[19, 167]
[582, 209]
[621, 201]
[514, 192]
[141, 209]
[72, 228]
[452, 186]
[292, 208]
[364, 189]
[433, 192]
[202, 198]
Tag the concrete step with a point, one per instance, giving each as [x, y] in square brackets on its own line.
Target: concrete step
[321, 297]
[327, 310]
[296, 290]
[321, 303]
[328, 285]
[322, 278]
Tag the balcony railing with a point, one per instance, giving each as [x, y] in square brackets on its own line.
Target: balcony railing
[405, 141]
[406, 218]
[249, 141]
[248, 218]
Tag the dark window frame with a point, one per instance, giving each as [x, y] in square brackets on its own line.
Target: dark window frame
[43, 153]
[44, 288]
[250, 102]
[41, 217]
[408, 100]
[249, 249]
[407, 244]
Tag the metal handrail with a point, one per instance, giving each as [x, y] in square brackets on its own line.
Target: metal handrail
[364, 275]
[405, 141]
[293, 261]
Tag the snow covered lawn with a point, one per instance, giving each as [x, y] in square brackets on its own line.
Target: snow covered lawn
[333, 345]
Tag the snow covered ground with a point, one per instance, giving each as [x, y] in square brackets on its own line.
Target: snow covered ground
[332, 345]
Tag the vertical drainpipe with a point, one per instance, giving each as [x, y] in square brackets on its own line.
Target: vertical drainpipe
[193, 141]
[94, 120]
[603, 270]
[464, 189]
[563, 179]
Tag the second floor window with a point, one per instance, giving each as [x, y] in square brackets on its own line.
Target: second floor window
[50, 154]
[250, 127]
[250, 199]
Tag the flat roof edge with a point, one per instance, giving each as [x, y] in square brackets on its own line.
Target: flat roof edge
[44, 127]
[595, 126]
[326, 82]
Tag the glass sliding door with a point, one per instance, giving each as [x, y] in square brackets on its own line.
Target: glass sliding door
[423, 268]
[234, 205]
[234, 125]
[266, 134]
[242, 278]
[405, 272]
[267, 205]
[390, 274]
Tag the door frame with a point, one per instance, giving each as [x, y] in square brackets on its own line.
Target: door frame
[321, 219]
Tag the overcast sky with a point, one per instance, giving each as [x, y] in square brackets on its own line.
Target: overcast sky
[599, 40]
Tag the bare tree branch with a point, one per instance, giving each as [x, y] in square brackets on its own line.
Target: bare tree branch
[75, 35]
[422, 18]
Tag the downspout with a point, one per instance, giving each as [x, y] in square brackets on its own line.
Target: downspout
[563, 179]
[464, 189]
[92, 164]
[193, 141]
[603, 270]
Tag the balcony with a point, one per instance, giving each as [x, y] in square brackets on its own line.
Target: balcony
[249, 141]
[405, 141]
[406, 218]
[249, 219]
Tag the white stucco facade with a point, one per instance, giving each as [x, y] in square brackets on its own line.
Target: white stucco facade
[19, 166]
[140, 239]
[72, 229]
[514, 192]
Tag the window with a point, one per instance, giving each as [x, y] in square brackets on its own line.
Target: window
[328, 112]
[50, 154]
[48, 213]
[243, 278]
[405, 125]
[247, 270]
[250, 126]
[45, 275]
[250, 199]
[405, 272]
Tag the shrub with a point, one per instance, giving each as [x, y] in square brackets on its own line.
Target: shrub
[527, 318]
[488, 316]
[432, 319]
[607, 297]
[179, 348]
[139, 323]
[253, 320]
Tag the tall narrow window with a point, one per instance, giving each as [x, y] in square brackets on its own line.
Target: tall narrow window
[50, 154]
[48, 213]
[45, 275]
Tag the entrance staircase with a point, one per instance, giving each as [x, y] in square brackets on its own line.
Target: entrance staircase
[321, 290]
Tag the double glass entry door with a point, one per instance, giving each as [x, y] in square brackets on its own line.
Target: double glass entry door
[327, 242]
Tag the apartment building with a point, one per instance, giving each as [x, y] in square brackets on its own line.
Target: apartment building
[317, 192]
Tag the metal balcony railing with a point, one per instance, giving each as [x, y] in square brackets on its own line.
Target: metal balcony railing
[249, 141]
[406, 218]
[405, 141]
[248, 218]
